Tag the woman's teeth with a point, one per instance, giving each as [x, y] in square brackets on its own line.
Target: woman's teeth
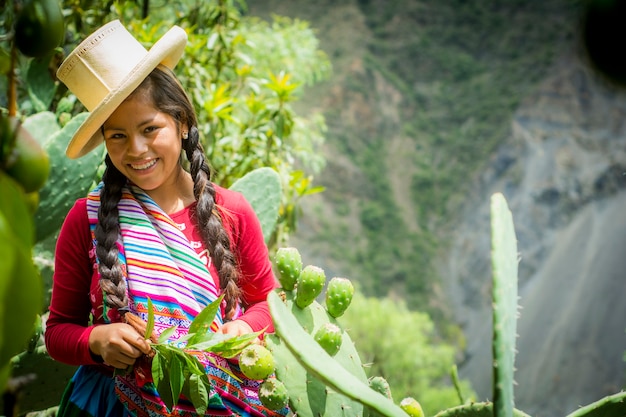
[145, 165]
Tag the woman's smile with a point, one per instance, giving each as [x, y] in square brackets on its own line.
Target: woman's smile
[143, 166]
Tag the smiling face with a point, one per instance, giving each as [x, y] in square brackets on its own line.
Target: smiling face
[144, 144]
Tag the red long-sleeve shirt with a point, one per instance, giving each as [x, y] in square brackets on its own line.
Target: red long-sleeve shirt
[76, 292]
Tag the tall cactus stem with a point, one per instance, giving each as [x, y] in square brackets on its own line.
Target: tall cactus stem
[504, 268]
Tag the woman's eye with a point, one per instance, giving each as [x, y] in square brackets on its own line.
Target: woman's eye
[115, 136]
[151, 128]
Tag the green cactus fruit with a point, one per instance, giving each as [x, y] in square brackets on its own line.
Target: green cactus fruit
[273, 394]
[309, 285]
[380, 384]
[339, 296]
[412, 407]
[39, 27]
[289, 265]
[256, 362]
[329, 336]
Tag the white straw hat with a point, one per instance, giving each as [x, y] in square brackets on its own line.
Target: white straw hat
[106, 68]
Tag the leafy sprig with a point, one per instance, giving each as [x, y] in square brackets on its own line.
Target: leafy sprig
[176, 370]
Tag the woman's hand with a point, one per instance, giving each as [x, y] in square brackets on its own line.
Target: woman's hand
[118, 344]
[235, 328]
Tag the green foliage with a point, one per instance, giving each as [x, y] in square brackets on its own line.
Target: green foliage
[176, 371]
[243, 94]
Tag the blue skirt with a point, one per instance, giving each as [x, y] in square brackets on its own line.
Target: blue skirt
[91, 393]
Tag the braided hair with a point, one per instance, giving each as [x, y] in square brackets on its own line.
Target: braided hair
[168, 97]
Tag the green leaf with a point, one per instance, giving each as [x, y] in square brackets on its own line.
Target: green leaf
[231, 347]
[199, 393]
[164, 388]
[202, 323]
[226, 370]
[157, 368]
[165, 334]
[150, 324]
[204, 341]
[177, 378]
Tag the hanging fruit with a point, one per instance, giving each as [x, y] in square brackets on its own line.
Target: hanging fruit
[26, 161]
[39, 27]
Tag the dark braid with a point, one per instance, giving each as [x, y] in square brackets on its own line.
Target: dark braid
[107, 233]
[169, 97]
[213, 233]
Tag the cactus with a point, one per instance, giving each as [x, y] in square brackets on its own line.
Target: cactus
[504, 263]
[321, 365]
[380, 384]
[339, 296]
[412, 407]
[262, 189]
[293, 339]
[256, 362]
[478, 409]
[289, 266]
[68, 179]
[310, 284]
[329, 338]
[308, 395]
[610, 406]
[273, 394]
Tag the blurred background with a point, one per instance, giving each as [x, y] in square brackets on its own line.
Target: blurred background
[391, 123]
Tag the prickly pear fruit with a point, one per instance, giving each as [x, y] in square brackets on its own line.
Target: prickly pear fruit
[412, 407]
[380, 384]
[289, 265]
[256, 362]
[338, 296]
[273, 394]
[310, 284]
[39, 27]
[329, 337]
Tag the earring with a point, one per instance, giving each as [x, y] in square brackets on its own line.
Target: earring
[185, 135]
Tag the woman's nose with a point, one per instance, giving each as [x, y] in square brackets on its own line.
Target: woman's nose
[137, 145]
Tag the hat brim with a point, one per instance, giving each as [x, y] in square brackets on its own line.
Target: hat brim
[167, 51]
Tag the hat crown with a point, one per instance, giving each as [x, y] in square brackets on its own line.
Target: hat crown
[101, 63]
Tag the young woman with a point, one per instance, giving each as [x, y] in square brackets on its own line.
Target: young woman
[149, 230]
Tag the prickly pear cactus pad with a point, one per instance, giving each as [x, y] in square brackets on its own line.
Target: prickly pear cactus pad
[324, 385]
[262, 189]
[611, 406]
[504, 266]
[308, 396]
[480, 409]
[69, 179]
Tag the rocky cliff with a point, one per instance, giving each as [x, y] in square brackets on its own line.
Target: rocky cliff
[563, 171]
